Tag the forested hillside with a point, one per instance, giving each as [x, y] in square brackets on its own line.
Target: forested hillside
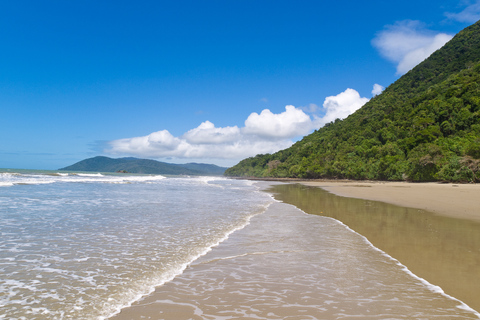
[423, 127]
[144, 166]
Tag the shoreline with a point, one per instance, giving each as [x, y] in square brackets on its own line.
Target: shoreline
[440, 247]
[288, 265]
[460, 201]
[456, 200]
[430, 245]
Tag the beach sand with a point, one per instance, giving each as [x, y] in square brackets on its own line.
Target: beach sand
[453, 200]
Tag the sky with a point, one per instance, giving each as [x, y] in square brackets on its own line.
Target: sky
[199, 81]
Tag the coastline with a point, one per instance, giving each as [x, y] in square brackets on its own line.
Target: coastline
[440, 245]
[455, 200]
[435, 247]
[288, 265]
[460, 201]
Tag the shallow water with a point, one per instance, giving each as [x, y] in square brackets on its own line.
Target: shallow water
[82, 246]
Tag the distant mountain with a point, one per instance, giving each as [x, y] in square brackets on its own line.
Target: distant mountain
[134, 165]
[423, 127]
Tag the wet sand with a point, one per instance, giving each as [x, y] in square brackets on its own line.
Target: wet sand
[441, 247]
[288, 265]
[453, 200]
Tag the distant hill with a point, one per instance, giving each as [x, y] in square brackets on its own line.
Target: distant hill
[134, 165]
[423, 127]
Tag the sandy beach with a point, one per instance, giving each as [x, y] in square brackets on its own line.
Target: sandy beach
[290, 265]
[453, 200]
[284, 264]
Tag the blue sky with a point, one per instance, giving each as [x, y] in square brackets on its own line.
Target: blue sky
[198, 81]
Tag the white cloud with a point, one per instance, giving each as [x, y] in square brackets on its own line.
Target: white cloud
[160, 143]
[470, 14]
[377, 89]
[266, 132]
[291, 123]
[263, 133]
[181, 149]
[206, 133]
[342, 105]
[407, 43]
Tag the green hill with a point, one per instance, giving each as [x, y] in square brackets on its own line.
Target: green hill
[134, 165]
[423, 127]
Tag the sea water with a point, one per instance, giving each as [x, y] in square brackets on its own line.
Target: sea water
[82, 246]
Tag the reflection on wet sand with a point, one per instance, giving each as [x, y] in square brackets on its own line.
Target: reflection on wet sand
[445, 251]
[289, 265]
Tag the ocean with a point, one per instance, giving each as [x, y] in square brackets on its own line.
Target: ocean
[86, 246]
[82, 246]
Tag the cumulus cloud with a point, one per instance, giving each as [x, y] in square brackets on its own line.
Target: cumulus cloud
[266, 132]
[263, 133]
[160, 143]
[407, 43]
[470, 14]
[342, 105]
[207, 133]
[267, 125]
[377, 89]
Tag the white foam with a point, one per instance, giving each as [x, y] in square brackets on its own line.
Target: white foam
[144, 178]
[90, 174]
[178, 271]
[10, 179]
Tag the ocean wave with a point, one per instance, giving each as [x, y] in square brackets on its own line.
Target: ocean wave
[88, 174]
[8, 179]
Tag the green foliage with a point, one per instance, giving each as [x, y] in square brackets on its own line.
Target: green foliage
[473, 149]
[424, 127]
[424, 162]
[144, 166]
[459, 169]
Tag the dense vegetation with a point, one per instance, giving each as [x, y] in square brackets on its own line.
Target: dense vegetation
[423, 127]
[134, 165]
